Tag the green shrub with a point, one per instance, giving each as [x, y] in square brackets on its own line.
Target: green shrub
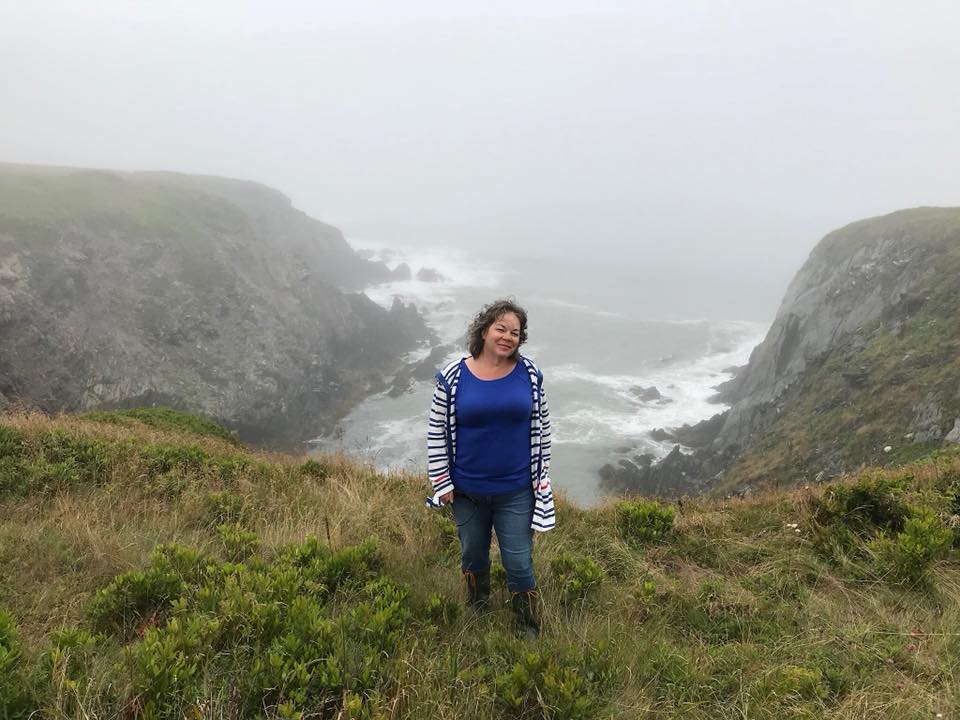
[225, 507]
[442, 610]
[498, 575]
[66, 666]
[576, 576]
[847, 518]
[547, 684]
[794, 682]
[643, 598]
[315, 468]
[162, 459]
[228, 469]
[16, 699]
[238, 544]
[11, 442]
[143, 597]
[644, 521]
[14, 477]
[909, 555]
[873, 502]
[445, 539]
[167, 666]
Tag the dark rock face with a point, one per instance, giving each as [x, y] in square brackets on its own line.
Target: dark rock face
[701, 434]
[857, 276]
[419, 371]
[676, 474]
[865, 348]
[210, 295]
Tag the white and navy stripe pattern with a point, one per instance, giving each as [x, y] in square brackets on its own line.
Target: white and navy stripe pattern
[442, 441]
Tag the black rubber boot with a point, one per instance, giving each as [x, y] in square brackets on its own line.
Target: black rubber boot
[526, 611]
[478, 588]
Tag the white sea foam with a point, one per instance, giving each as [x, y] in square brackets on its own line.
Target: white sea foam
[439, 301]
[595, 412]
[686, 388]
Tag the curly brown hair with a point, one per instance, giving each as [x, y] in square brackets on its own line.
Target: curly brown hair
[487, 316]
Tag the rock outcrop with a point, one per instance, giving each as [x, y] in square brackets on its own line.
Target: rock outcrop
[863, 353]
[211, 295]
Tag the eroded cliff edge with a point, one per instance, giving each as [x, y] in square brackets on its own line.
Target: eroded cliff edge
[861, 365]
[211, 295]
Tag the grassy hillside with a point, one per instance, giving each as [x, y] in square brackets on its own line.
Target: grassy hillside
[153, 568]
[865, 393]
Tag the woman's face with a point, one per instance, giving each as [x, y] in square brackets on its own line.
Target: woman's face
[502, 338]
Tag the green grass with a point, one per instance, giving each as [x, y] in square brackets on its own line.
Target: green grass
[163, 418]
[173, 574]
[825, 424]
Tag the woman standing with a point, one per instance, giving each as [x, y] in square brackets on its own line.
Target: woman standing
[489, 454]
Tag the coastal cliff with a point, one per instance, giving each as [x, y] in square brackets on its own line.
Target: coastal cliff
[211, 295]
[861, 365]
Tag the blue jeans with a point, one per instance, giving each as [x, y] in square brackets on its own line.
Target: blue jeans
[510, 515]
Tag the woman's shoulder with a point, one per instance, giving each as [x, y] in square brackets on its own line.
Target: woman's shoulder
[450, 371]
[531, 366]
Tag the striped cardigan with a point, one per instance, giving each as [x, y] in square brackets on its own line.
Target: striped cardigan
[442, 441]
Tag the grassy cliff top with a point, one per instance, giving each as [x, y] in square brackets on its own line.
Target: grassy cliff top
[155, 568]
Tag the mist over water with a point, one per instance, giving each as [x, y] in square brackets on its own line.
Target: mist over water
[597, 338]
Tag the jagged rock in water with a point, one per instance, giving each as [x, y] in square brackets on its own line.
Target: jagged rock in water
[661, 435]
[429, 275]
[401, 272]
[646, 394]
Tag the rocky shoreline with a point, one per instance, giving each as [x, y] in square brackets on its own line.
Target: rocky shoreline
[209, 295]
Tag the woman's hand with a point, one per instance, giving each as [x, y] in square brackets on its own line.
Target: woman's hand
[447, 498]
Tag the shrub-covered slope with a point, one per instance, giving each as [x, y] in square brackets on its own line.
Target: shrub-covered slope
[864, 355]
[861, 366]
[151, 567]
[212, 295]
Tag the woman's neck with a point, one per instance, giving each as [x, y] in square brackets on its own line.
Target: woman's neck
[494, 362]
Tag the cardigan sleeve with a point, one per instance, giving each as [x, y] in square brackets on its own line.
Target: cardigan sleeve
[438, 443]
[544, 435]
[544, 510]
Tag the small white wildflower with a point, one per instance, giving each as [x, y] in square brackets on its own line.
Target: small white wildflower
[888, 448]
[793, 526]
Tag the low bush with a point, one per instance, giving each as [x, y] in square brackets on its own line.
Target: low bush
[16, 699]
[442, 610]
[14, 477]
[909, 555]
[644, 521]
[11, 442]
[163, 458]
[874, 502]
[138, 599]
[314, 468]
[549, 684]
[238, 544]
[576, 576]
[217, 508]
[66, 666]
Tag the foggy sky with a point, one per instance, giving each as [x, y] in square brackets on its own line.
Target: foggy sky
[725, 137]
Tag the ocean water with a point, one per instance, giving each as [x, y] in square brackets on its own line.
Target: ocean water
[596, 334]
